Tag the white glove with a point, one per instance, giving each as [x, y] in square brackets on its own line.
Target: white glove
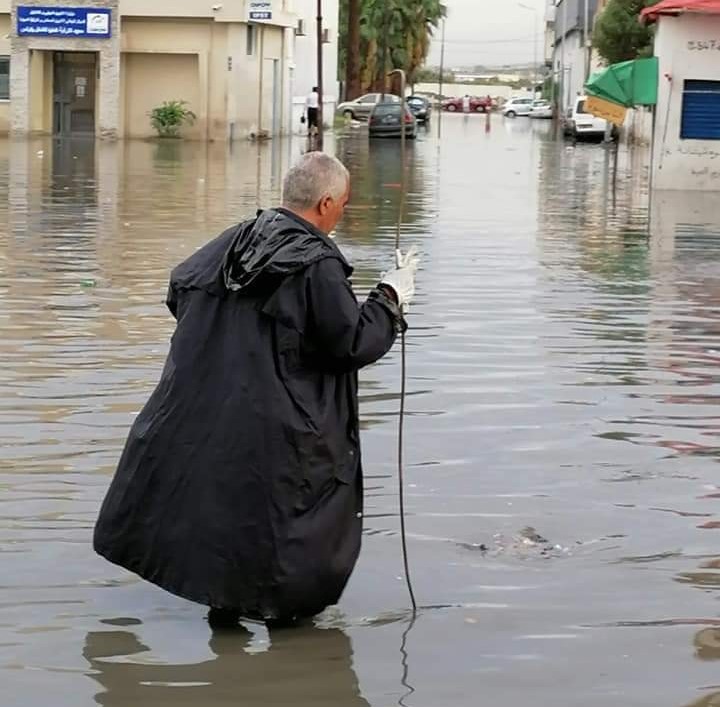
[402, 279]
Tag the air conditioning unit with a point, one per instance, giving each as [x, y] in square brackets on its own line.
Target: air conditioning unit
[300, 29]
[326, 36]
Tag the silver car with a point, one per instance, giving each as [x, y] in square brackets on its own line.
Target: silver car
[541, 109]
[361, 108]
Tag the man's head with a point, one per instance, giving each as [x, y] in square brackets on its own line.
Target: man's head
[317, 188]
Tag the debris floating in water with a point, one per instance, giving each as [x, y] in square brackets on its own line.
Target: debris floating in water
[88, 282]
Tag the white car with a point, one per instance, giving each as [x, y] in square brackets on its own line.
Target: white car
[361, 108]
[541, 109]
[517, 106]
[579, 124]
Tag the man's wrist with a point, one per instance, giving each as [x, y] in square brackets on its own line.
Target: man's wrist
[389, 292]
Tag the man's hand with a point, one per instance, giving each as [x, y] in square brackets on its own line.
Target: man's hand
[402, 279]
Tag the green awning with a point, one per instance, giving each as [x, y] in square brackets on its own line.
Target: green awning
[630, 83]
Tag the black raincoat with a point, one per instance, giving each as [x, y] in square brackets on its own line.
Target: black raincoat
[240, 485]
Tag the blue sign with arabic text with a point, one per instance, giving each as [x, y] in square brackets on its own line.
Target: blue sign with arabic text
[67, 22]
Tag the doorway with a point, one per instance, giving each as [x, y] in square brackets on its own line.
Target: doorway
[74, 82]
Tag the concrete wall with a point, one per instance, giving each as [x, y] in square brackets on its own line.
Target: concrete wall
[684, 164]
[150, 79]
[170, 60]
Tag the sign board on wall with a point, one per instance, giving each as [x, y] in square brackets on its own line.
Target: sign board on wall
[67, 22]
[612, 112]
[260, 9]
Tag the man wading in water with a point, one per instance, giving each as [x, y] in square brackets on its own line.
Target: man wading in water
[240, 486]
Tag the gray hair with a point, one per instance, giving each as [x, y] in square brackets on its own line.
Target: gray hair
[313, 178]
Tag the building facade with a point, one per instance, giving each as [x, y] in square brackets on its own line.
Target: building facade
[99, 67]
[572, 56]
[304, 71]
[687, 129]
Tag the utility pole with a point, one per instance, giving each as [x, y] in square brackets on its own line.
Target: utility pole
[587, 41]
[442, 61]
[319, 138]
[442, 78]
[563, 80]
[537, 47]
[536, 44]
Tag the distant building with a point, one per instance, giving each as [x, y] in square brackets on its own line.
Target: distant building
[304, 68]
[98, 67]
[572, 58]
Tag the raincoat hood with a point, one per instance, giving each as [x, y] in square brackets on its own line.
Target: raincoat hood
[274, 245]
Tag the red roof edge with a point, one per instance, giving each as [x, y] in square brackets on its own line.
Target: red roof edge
[679, 7]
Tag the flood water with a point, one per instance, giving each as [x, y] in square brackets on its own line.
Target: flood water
[564, 377]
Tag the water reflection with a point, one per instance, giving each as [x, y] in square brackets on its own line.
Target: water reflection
[305, 667]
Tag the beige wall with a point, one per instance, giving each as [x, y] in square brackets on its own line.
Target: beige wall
[203, 85]
[151, 79]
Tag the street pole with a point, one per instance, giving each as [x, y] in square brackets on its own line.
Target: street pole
[586, 39]
[563, 101]
[442, 61]
[319, 139]
[537, 47]
[535, 44]
[442, 77]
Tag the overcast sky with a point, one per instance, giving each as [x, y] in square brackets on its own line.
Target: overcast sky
[490, 32]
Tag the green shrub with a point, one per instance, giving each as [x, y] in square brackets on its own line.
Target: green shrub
[168, 118]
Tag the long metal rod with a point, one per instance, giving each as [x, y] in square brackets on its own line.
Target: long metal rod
[403, 356]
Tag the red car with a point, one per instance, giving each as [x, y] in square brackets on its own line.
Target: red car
[477, 105]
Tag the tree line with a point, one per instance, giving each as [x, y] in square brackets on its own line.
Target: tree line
[378, 36]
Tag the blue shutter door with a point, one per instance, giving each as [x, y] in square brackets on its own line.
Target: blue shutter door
[701, 111]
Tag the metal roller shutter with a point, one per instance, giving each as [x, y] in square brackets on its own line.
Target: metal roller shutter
[701, 110]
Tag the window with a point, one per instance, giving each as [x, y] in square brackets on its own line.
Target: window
[251, 40]
[4, 78]
[369, 98]
[701, 111]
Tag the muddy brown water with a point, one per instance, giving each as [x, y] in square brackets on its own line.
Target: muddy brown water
[564, 388]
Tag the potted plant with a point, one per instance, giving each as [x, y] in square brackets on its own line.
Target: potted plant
[168, 118]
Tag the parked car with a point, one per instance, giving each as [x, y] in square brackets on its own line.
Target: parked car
[579, 125]
[391, 119]
[362, 107]
[420, 107]
[517, 106]
[476, 105]
[541, 109]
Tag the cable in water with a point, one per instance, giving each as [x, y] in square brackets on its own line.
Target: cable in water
[403, 374]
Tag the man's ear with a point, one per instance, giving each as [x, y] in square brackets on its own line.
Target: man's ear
[324, 205]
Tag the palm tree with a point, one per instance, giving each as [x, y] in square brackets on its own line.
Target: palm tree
[388, 34]
[352, 62]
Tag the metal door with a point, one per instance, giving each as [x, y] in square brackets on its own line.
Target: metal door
[74, 84]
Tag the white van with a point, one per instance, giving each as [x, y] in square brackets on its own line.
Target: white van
[579, 124]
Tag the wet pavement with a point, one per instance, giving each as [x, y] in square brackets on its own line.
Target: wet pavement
[563, 488]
